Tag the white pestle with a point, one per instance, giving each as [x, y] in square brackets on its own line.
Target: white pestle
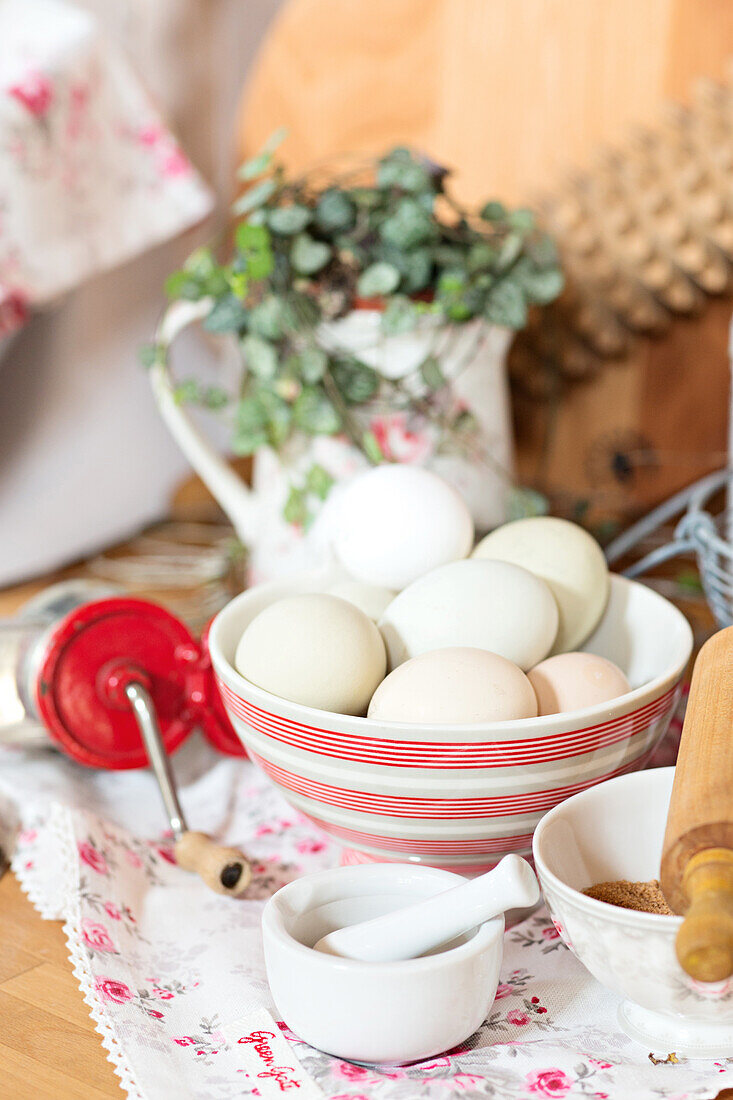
[416, 929]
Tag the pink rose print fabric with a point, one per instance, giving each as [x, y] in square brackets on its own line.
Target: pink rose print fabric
[81, 144]
[167, 967]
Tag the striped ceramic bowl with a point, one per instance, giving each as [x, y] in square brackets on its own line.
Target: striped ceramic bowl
[458, 797]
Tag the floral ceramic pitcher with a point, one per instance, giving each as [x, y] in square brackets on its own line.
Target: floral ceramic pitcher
[478, 462]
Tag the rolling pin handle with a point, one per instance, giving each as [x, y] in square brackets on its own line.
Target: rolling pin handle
[705, 940]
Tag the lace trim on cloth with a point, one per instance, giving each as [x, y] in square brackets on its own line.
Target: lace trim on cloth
[66, 906]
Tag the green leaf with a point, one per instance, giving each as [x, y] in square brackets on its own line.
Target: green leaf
[227, 315]
[213, 397]
[278, 416]
[261, 162]
[522, 503]
[356, 381]
[250, 427]
[275, 140]
[256, 196]
[335, 212]
[371, 448]
[238, 284]
[543, 250]
[409, 226]
[318, 481]
[368, 198]
[296, 507]
[543, 287]
[431, 373]
[511, 248]
[449, 255]
[400, 316]
[182, 285]
[187, 392]
[255, 250]
[254, 167]
[288, 220]
[522, 220]
[200, 264]
[301, 312]
[482, 256]
[416, 268]
[378, 279]
[251, 238]
[452, 283]
[151, 355]
[315, 414]
[260, 356]
[266, 318]
[453, 294]
[311, 364]
[493, 212]
[400, 169]
[506, 305]
[307, 255]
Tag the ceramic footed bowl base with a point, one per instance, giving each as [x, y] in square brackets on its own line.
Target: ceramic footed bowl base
[664, 1035]
[352, 857]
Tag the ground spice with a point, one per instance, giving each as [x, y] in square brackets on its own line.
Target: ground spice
[645, 897]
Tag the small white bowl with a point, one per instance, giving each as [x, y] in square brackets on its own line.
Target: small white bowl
[615, 831]
[376, 1013]
[457, 797]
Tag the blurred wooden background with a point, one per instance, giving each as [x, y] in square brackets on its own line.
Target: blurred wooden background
[517, 94]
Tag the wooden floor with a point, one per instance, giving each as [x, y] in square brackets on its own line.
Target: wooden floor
[49, 1049]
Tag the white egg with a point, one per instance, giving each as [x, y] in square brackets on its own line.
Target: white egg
[452, 687]
[316, 650]
[483, 604]
[369, 598]
[568, 559]
[396, 523]
[572, 681]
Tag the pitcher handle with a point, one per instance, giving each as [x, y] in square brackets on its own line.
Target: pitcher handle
[237, 501]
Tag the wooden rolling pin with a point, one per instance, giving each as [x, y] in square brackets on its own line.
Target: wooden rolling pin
[697, 858]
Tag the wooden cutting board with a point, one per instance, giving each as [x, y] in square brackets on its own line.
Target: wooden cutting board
[513, 91]
[516, 93]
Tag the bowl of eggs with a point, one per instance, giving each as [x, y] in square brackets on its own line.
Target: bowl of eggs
[423, 699]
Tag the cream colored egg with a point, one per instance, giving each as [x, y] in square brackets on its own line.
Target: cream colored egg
[395, 523]
[454, 686]
[372, 599]
[480, 604]
[568, 559]
[315, 649]
[573, 681]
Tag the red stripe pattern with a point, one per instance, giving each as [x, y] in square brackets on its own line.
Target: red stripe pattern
[441, 754]
[489, 846]
[435, 808]
[501, 812]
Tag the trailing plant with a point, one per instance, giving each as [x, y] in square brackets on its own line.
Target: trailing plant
[306, 253]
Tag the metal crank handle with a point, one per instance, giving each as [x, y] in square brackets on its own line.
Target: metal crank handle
[224, 870]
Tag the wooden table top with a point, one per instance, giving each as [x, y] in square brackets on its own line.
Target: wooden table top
[49, 1048]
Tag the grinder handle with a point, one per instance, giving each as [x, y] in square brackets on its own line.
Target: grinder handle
[224, 870]
[696, 873]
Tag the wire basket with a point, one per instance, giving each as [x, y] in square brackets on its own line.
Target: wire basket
[703, 533]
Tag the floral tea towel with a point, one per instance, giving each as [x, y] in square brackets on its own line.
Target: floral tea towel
[90, 175]
[168, 968]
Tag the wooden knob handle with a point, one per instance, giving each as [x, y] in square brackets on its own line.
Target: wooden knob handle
[224, 870]
[705, 940]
